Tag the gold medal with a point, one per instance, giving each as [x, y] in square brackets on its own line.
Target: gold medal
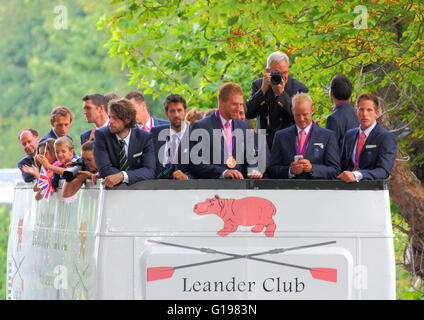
[231, 162]
[355, 169]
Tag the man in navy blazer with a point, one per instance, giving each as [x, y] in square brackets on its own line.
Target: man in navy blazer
[225, 150]
[171, 142]
[123, 153]
[304, 150]
[60, 120]
[343, 117]
[143, 119]
[95, 110]
[29, 139]
[369, 151]
[270, 102]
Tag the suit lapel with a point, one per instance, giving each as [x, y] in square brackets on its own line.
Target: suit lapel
[370, 140]
[351, 146]
[132, 145]
[292, 140]
[312, 139]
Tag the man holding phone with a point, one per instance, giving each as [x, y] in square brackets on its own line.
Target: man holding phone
[270, 100]
[304, 150]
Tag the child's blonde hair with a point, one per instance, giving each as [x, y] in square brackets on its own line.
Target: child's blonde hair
[64, 141]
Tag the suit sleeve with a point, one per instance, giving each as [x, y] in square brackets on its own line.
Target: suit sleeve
[26, 176]
[202, 169]
[254, 103]
[386, 159]
[148, 164]
[331, 167]
[276, 170]
[101, 156]
[333, 125]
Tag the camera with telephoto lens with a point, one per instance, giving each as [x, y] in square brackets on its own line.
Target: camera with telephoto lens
[276, 78]
[79, 164]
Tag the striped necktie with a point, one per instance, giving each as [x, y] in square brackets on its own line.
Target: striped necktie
[123, 161]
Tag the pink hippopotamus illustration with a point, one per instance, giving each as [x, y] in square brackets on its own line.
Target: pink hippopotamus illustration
[250, 211]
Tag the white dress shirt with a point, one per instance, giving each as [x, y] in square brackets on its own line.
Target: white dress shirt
[126, 144]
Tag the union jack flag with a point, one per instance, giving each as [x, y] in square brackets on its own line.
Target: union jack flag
[45, 183]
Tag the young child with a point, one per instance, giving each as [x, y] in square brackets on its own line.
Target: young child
[64, 152]
[45, 154]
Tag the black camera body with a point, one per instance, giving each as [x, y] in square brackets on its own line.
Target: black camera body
[79, 164]
[276, 78]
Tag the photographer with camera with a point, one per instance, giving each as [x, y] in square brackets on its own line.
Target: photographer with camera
[270, 100]
[82, 169]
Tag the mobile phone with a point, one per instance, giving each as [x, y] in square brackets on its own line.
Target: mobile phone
[298, 157]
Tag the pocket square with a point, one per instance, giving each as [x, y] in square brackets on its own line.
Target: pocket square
[321, 145]
[138, 154]
[370, 146]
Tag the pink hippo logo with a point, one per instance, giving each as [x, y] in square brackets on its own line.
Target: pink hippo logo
[250, 211]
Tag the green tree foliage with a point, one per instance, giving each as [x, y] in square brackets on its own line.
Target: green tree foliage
[47, 61]
[193, 47]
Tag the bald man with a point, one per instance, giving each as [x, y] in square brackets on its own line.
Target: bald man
[304, 150]
[29, 139]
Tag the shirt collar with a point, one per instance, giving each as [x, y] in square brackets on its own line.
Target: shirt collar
[306, 129]
[223, 121]
[104, 125]
[368, 130]
[147, 125]
[55, 133]
[339, 104]
[126, 139]
[179, 133]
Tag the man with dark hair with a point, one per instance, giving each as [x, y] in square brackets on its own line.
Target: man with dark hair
[270, 100]
[94, 107]
[171, 141]
[369, 151]
[304, 150]
[87, 154]
[110, 96]
[225, 150]
[60, 120]
[343, 117]
[123, 152]
[29, 139]
[144, 120]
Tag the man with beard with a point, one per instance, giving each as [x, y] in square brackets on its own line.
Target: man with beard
[123, 152]
[171, 141]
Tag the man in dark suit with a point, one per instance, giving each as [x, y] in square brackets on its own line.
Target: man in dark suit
[60, 120]
[304, 150]
[123, 153]
[270, 100]
[369, 151]
[171, 142]
[226, 148]
[343, 117]
[144, 120]
[94, 106]
[29, 139]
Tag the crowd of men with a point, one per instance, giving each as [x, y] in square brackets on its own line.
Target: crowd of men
[126, 144]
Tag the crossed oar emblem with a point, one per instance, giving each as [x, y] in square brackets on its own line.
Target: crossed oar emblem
[17, 272]
[325, 274]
